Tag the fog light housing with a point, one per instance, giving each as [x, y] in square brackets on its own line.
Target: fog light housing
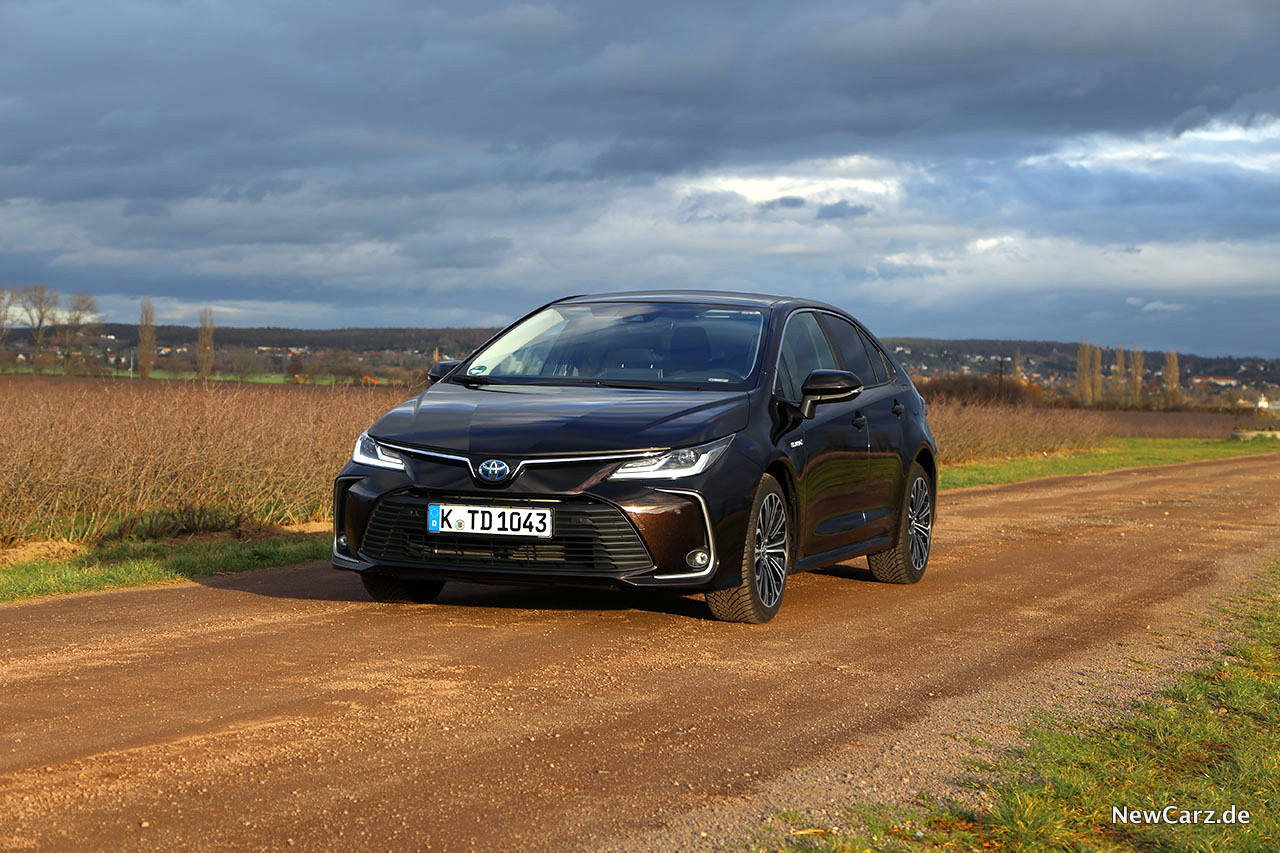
[342, 542]
[697, 558]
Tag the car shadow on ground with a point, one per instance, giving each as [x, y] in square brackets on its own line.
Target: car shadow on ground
[844, 570]
[319, 582]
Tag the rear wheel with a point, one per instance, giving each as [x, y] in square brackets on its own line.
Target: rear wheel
[765, 562]
[400, 590]
[906, 562]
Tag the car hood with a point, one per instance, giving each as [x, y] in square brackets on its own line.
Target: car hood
[530, 420]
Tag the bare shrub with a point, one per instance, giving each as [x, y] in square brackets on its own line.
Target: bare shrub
[85, 459]
[990, 431]
[1180, 424]
[962, 388]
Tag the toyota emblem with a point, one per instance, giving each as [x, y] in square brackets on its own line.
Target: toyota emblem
[494, 470]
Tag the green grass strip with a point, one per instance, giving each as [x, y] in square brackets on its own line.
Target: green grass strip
[1115, 453]
[127, 564]
[1210, 742]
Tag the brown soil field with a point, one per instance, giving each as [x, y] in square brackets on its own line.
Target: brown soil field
[282, 708]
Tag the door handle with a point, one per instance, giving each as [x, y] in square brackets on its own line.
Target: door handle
[860, 420]
[898, 408]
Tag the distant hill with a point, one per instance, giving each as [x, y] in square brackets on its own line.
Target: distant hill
[933, 356]
[928, 356]
[357, 340]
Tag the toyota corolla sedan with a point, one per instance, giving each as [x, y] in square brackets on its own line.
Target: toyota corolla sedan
[694, 441]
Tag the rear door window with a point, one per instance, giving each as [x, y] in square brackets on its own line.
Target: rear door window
[852, 348]
[878, 357]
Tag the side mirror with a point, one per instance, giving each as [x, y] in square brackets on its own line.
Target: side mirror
[827, 386]
[440, 370]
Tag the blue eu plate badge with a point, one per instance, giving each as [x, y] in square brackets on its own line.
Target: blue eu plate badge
[433, 518]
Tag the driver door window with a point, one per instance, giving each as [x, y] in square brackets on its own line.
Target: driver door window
[804, 349]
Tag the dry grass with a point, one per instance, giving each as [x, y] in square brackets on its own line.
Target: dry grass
[1180, 424]
[86, 459]
[990, 431]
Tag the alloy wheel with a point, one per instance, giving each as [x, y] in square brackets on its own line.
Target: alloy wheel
[919, 523]
[771, 550]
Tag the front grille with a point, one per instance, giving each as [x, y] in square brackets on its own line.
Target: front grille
[588, 536]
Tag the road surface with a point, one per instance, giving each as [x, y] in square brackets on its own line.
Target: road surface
[282, 707]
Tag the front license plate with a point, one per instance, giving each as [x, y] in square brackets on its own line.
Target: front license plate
[489, 520]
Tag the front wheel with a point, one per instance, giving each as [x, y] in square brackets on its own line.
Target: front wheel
[390, 588]
[906, 561]
[765, 562]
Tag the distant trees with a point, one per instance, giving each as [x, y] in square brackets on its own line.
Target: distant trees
[1136, 357]
[204, 345]
[1118, 379]
[40, 306]
[1125, 384]
[1172, 379]
[1084, 370]
[246, 363]
[8, 311]
[1095, 373]
[75, 325]
[1089, 373]
[146, 339]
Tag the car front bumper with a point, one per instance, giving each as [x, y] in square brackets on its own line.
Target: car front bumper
[606, 532]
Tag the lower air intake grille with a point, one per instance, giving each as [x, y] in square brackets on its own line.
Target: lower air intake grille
[589, 536]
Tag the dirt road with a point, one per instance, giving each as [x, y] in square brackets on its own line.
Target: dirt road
[281, 707]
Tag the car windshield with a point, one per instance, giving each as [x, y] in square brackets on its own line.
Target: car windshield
[661, 344]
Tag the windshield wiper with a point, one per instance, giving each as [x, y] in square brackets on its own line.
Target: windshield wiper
[475, 380]
[629, 383]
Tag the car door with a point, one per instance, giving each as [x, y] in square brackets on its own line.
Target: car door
[872, 416]
[833, 451]
[884, 407]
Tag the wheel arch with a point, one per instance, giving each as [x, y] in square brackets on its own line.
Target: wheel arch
[929, 462]
[780, 469]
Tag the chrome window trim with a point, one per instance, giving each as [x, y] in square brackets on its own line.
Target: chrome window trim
[711, 540]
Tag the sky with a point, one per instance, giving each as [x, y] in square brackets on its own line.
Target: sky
[955, 168]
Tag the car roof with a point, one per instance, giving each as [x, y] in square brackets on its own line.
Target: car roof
[718, 297]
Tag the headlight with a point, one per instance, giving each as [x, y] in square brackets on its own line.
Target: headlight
[684, 462]
[369, 452]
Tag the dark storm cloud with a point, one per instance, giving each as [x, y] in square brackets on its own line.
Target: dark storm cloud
[391, 148]
[843, 210]
[786, 201]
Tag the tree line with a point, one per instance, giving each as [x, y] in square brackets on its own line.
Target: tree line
[1125, 383]
[66, 325]
[69, 325]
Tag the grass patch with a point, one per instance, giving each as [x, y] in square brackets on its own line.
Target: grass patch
[126, 564]
[1115, 453]
[1212, 741]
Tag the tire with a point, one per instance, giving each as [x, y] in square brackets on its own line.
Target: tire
[758, 595]
[906, 561]
[390, 588]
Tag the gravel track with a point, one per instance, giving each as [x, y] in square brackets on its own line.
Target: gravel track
[282, 708]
